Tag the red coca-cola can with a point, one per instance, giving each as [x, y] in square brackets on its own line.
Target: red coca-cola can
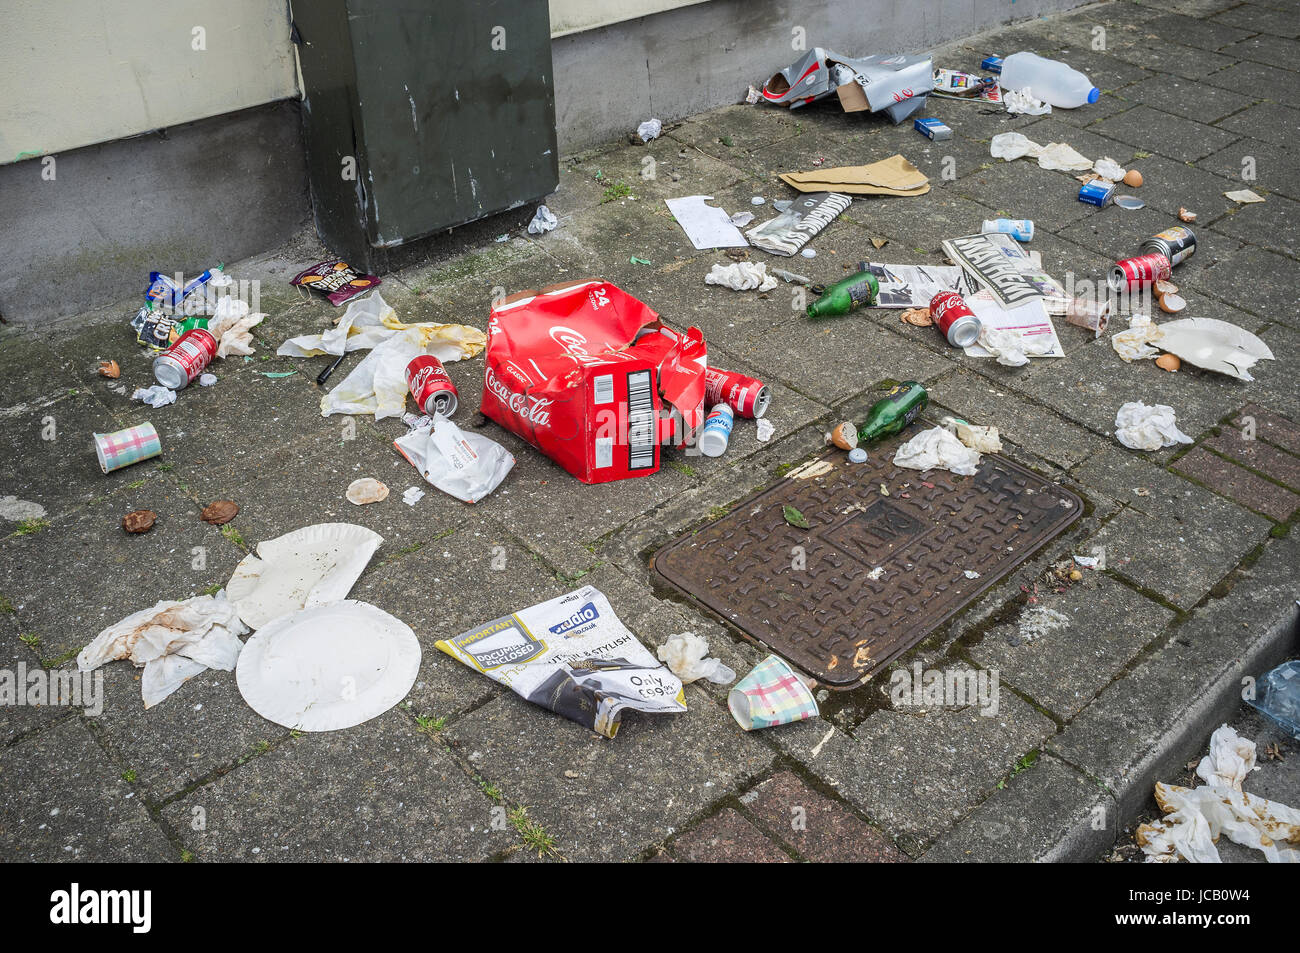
[747, 396]
[430, 386]
[185, 360]
[954, 319]
[1140, 272]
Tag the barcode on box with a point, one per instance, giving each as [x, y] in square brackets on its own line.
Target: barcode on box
[640, 421]
[604, 389]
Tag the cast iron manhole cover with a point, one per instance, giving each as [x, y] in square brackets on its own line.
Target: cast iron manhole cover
[874, 574]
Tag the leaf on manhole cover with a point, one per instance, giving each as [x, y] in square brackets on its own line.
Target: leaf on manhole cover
[220, 512]
[795, 518]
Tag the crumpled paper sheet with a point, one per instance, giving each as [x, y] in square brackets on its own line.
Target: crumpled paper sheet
[1108, 168]
[1054, 155]
[686, 656]
[378, 384]
[1135, 343]
[1196, 817]
[742, 276]
[1013, 348]
[1021, 101]
[232, 325]
[1140, 427]
[173, 641]
[981, 439]
[937, 449]
[155, 396]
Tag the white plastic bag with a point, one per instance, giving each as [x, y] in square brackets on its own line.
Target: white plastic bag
[1140, 427]
[543, 221]
[686, 657]
[462, 463]
[650, 129]
[936, 448]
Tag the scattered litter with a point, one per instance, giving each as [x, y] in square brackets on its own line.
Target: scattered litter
[782, 205]
[1244, 196]
[1011, 346]
[936, 448]
[970, 574]
[876, 573]
[845, 435]
[462, 463]
[1185, 215]
[125, 447]
[583, 663]
[1168, 362]
[707, 226]
[1050, 80]
[896, 84]
[173, 642]
[1130, 203]
[1054, 155]
[790, 231]
[753, 95]
[139, 521]
[809, 253]
[1088, 562]
[790, 276]
[935, 130]
[155, 396]
[412, 495]
[544, 220]
[765, 429]
[1214, 345]
[650, 129]
[741, 276]
[1022, 102]
[1108, 168]
[110, 370]
[979, 439]
[893, 176]
[219, 512]
[1195, 818]
[919, 317]
[758, 200]
[336, 280]
[277, 375]
[771, 694]
[1038, 621]
[328, 667]
[1278, 697]
[366, 490]
[308, 567]
[857, 455]
[686, 657]
[207, 380]
[1133, 179]
[741, 219]
[1135, 344]
[1140, 427]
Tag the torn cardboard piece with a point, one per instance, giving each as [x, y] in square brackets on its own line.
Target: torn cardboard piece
[892, 176]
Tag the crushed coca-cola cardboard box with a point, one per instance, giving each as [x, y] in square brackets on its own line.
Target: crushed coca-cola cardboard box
[591, 377]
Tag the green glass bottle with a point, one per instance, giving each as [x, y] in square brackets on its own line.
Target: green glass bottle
[894, 411]
[847, 294]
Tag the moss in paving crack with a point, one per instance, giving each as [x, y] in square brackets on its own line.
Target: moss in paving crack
[6, 604]
[717, 512]
[530, 832]
[32, 527]
[1024, 764]
[187, 857]
[684, 468]
[58, 660]
[429, 724]
[234, 536]
[616, 191]
[129, 775]
[135, 484]
[491, 790]
[567, 577]
[212, 590]
[30, 638]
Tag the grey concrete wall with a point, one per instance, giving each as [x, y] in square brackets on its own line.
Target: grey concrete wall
[229, 187]
[696, 58]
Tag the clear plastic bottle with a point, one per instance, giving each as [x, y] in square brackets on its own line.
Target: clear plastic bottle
[1049, 80]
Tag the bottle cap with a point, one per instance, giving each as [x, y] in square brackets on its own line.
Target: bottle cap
[1094, 94]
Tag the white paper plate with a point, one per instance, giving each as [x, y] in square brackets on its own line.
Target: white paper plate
[328, 667]
[311, 566]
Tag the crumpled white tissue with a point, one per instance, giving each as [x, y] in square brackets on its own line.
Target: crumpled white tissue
[741, 276]
[650, 129]
[983, 439]
[543, 221]
[936, 448]
[155, 396]
[1196, 817]
[685, 656]
[1140, 427]
[1054, 155]
[1012, 145]
[1022, 101]
[1013, 348]
[232, 325]
[1108, 168]
[173, 641]
[1135, 343]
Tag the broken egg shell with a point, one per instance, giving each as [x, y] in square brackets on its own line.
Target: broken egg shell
[139, 521]
[1168, 362]
[366, 490]
[1171, 303]
[1162, 288]
[220, 512]
[919, 317]
[1186, 216]
[110, 370]
[845, 436]
[1133, 178]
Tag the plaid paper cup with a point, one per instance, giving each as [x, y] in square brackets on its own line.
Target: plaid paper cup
[771, 694]
[125, 447]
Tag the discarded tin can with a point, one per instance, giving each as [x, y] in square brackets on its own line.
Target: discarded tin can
[747, 396]
[1093, 315]
[955, 321]
[991, 64]
[934, 129]
[717, 430]
[1021, 229]
[1177, 244]
[430, 386]
[125, 447]
[1096, 192]
[186, 359]
[1140, 272]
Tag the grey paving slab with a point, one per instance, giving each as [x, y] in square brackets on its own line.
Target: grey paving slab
[1260, 18]
[1270, 50]
[1196, 32]
[1257, 81]
[383, 791]
[1249, 163]
[1271, 224]
[1190, 99]
[1272, 122]
[1255, 280]
[63, 800]
[1176, 58]
[1163, 134]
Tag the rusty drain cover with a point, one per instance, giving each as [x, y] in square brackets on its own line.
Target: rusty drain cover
[831, 617]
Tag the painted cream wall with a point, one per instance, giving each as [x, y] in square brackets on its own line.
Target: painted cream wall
[79, 72]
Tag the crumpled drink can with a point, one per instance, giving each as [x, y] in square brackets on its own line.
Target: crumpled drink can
[185, 360]
[1140, 272]
[954, 319]
[747, 396]
[431, 387]
[1177, 244]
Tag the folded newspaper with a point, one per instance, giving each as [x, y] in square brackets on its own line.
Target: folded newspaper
[792, 229]
[998, 263]
[573, 656]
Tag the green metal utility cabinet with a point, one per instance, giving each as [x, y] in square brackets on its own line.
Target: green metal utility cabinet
[420, 115]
